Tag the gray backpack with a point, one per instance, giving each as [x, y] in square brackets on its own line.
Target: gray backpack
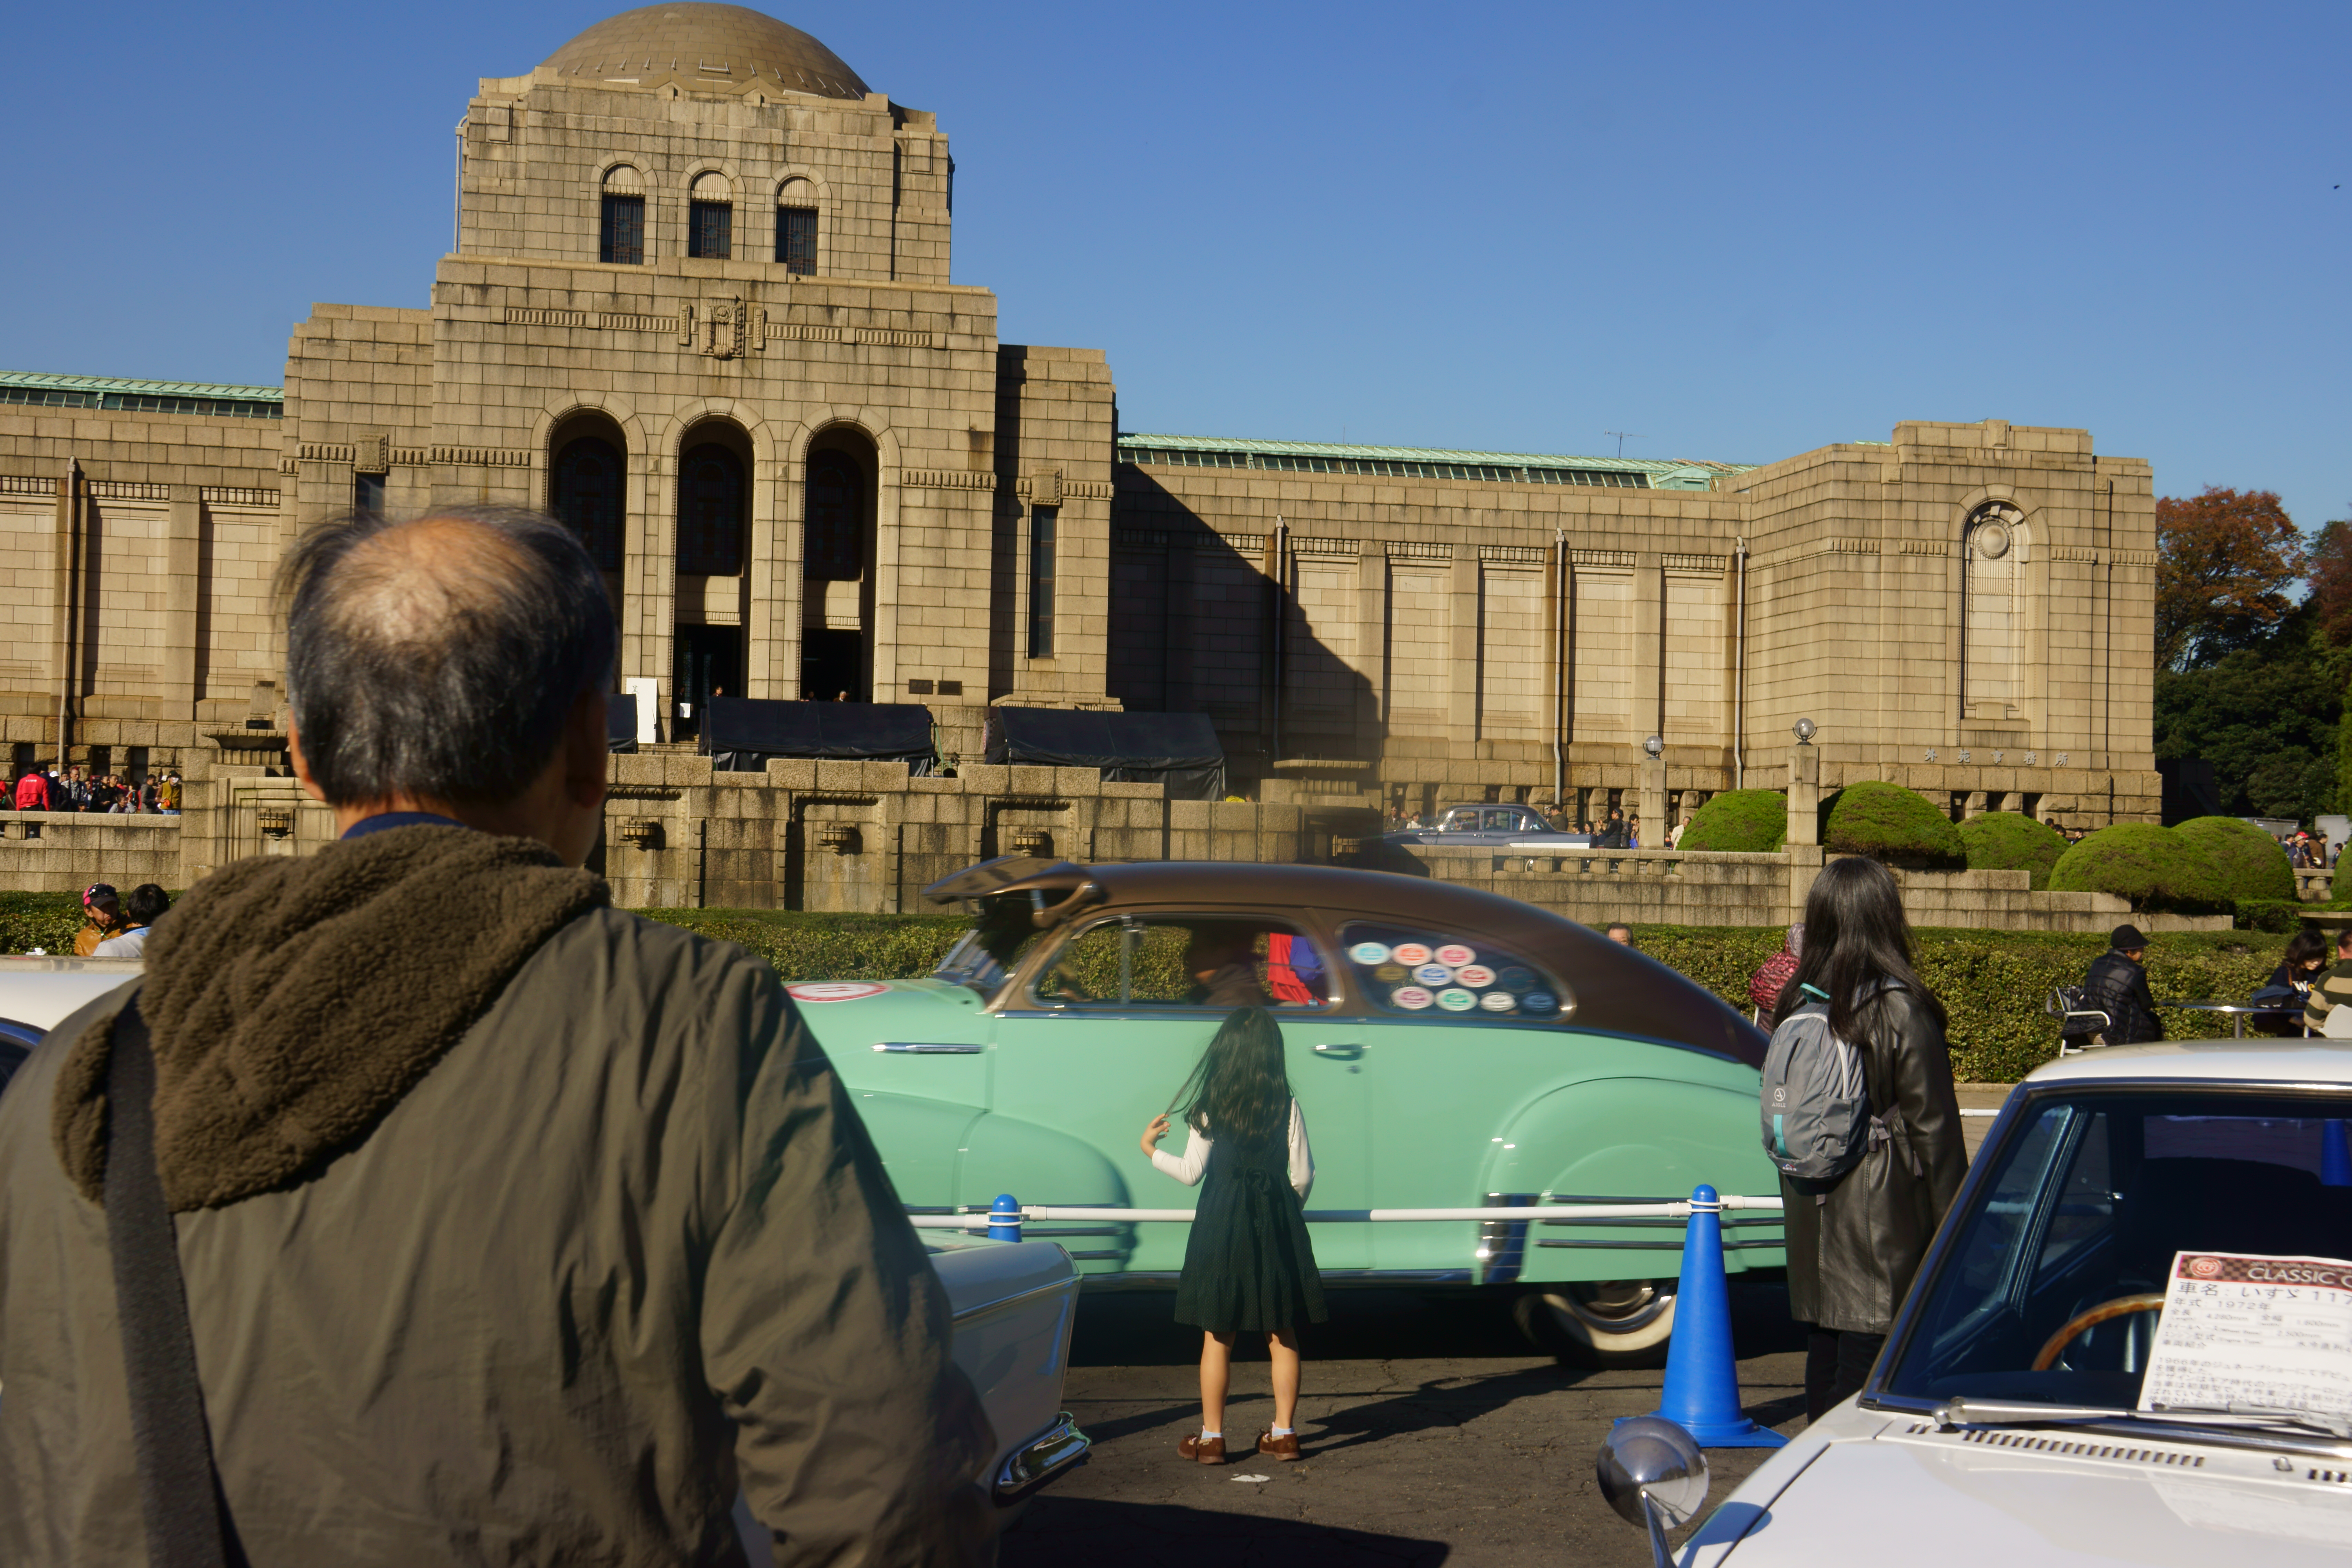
[1816, 1109]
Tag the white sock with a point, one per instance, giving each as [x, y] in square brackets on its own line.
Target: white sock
[1283, 1431]
[1206, 1433]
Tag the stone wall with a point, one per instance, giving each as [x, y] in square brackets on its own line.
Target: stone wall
[64, 851]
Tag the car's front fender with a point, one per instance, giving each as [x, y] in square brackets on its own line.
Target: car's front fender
[919, 1142]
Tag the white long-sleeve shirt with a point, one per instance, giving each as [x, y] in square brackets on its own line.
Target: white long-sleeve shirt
[1189, 1168]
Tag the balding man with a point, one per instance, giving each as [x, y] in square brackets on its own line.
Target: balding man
[514, 1229]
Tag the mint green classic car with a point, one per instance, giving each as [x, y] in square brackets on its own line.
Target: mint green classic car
[1448, 1048]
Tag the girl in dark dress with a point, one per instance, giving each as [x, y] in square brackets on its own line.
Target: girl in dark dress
[1249, 1267]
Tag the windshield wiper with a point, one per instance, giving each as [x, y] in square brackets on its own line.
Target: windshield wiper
[2020, 1413]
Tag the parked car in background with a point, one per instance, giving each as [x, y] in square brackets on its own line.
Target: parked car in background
[1481, 826]
[1450, 1048]
[2030, 1405]
[36, 992]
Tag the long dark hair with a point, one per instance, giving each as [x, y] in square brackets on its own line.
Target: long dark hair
[1856, 941]
[1239, 1087]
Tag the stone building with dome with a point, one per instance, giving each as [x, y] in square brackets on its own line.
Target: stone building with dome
[702, 306]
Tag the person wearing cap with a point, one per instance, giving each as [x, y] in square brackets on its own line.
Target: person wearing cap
[2117, 986]
[102, 918]
[146, 904]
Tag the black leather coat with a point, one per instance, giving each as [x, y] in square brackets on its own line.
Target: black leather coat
[1855, 1243]
[2118, 987]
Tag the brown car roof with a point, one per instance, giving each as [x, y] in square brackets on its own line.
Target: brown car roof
[1618, 989]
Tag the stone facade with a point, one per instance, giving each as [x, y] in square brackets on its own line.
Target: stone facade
[811, 466]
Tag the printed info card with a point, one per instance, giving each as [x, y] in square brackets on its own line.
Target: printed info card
[2241, 1331]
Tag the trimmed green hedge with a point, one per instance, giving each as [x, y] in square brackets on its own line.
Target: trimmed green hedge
[1992, 983]
[1755, 821]
[2013, 841]
[1887, 822]
[2248, 860]
[2153, 866]
[46, 920]
[803, 946]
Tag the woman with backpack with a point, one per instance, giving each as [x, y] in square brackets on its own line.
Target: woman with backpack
[1855, 1240]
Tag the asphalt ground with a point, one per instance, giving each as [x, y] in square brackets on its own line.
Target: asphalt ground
[1434, 1434]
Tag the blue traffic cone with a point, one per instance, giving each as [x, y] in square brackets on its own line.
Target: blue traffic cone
[2335, 1156]
[1702, 1393]
[1004, 1218]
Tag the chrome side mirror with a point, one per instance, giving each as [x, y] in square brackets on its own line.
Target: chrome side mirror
[1654, 1475]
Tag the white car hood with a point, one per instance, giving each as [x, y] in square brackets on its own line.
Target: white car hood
[1928, 1499]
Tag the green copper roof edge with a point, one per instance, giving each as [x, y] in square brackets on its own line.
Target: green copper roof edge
[142, 388]
[1425, 453]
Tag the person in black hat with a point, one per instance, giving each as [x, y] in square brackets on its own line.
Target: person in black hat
[101, 910]
[2117, 986]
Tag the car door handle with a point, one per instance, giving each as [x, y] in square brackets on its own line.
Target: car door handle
[926, 1048]
[1340, 1052]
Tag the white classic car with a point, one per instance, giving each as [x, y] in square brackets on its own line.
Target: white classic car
[2031, 1404]
[1013, 1302]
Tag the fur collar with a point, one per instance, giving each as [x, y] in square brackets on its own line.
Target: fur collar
[292, 1003]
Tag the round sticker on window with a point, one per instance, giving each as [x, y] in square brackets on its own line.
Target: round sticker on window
[835, 990]
[1370, 953]
[1433, 975]
[1413, 998]
[1517, 977]
[1410, 953]
[1498, 1001]
[1539, 1002]
[1457, 1001]
[1475, 974]
[1390, 973]
[1454, 953]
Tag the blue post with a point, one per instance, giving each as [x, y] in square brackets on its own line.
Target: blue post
[1005, 1219]
[2335, 1156]
[1702, 1392]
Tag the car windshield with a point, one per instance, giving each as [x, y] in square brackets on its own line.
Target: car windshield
[2093, 1195]
[985, 955]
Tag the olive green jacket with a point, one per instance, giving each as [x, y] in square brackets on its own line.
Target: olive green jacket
[516, 1230]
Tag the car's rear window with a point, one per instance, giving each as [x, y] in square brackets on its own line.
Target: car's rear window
[1420, 969]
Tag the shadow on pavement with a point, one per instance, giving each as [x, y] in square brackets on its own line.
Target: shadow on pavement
[1089, 1531]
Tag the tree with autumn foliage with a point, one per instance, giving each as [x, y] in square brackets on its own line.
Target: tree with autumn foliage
[2224, 560]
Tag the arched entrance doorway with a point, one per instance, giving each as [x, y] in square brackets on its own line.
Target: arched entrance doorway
[837, 568]
[714, 514]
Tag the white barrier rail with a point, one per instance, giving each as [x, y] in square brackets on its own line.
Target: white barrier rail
[1506, 1214]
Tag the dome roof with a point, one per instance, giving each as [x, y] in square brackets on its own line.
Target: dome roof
[714, 47]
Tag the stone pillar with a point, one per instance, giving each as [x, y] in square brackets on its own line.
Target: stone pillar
[1652, 803]
[1805, 796]
[183, 594]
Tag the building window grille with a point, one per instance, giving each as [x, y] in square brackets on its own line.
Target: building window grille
[796, 239]
[586, 494]
[367, 494]
[623, 236]
[710, 512]
[1042, 522]
[834, 548]
[711, 230]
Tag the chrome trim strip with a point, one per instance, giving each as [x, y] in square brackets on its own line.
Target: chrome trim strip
[1051, 1287]
[926, 1048]
[1055, 1449]
[1333, 1279]
[1655, 1245]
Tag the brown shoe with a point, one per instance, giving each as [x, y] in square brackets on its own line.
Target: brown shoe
[1207, 1450]
[1274, 1447]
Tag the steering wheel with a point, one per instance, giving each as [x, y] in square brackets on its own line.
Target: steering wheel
[2119, 1307]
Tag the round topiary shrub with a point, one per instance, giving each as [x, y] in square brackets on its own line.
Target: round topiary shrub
[1755, 820]
[2247, 860]
[2153, 866]
[1887, 822]
[2011, 841]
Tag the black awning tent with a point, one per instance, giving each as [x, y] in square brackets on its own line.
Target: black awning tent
[1178, 750]
[621, 721]
[742, 733]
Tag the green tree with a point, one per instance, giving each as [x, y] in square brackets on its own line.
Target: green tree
[2266, 715]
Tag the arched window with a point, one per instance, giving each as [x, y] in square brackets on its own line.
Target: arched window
[711, 217]
[586, 495]
[1993, 618]
[710, 512]
[796, 221]
[622, 236]
[836, 519]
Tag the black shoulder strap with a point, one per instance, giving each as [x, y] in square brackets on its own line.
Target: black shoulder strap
[179, 1490]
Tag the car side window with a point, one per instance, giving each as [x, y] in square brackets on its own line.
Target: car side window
[1404, 969]
[1504, 821]
[1459, 822]
[1184, 961]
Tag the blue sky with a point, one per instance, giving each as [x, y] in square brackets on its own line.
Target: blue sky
[1736, 231]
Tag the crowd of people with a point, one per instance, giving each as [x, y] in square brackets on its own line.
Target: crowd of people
[79, 789]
